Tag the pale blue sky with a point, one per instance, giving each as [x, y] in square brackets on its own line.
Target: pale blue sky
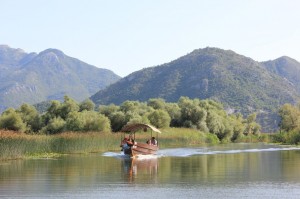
[128, 35]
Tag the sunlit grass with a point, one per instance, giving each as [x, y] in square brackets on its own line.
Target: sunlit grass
[15, 145]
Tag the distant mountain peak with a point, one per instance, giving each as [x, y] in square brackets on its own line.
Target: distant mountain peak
[53, 51]
[4, 47]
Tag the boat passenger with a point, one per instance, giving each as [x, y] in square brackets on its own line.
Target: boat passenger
[130, 141]
[124, 144]
[153, 141]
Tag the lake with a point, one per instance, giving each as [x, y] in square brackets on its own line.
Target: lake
[221, 171]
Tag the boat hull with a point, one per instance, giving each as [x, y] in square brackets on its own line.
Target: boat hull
[141, 149]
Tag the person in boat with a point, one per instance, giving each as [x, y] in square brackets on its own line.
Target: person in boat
[130, 141]
[152, 141]
[124, 144]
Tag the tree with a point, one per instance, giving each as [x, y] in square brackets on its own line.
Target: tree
[159, 118]
[157, 103]
[108, 110]
[87, 105]
[94, 121]
[75, 121]
[290, 117]
[130, 106]
[175, 113]
[11, 120]
[68, 106]
[55, 109]
[30, 117]
[215, 124]
[55, 125]
[237, 123]
[251, 127]
[118, 120]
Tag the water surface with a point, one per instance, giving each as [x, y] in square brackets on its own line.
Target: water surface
[223, 171]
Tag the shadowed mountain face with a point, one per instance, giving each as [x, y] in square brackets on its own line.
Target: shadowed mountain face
[240, 83]
[32, 78]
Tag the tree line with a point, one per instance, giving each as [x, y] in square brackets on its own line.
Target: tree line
[205, 115]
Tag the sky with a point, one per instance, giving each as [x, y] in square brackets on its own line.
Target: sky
[128, 35]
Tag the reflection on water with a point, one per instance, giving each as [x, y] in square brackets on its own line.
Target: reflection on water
[236, 170]
[145, 169]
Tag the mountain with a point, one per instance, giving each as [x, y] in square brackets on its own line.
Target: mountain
[287, 68]
[32, 78]
[240, 83]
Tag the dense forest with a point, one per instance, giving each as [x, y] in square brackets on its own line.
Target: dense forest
[207, 116]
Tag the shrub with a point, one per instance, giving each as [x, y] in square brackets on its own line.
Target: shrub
[11, 120]
[159, 118]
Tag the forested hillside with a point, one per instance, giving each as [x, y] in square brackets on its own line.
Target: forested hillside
[49, 75]
[287, 68]
[240, 83]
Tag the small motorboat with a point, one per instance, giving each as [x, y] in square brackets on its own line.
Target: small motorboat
[133, 148]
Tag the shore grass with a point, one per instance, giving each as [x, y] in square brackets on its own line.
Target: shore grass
[14, 145]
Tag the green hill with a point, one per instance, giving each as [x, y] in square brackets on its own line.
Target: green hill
[287, 68]
[240, 83]
[32, 78]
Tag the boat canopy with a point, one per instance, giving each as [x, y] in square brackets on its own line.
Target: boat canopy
[130, 128]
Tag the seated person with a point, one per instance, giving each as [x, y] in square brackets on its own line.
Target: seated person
[130, 141]
[124, 144]
[153, 141]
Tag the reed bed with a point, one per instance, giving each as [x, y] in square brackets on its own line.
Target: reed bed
[15, 145]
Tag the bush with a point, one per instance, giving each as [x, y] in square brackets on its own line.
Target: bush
[11, 120]
[56, 125]
[294, 137]
[159, 118]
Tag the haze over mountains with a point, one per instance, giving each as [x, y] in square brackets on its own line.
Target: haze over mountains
[49, 75]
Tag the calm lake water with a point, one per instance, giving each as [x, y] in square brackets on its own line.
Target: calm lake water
[223, 171]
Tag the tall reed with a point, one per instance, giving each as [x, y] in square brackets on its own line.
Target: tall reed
[18, 145]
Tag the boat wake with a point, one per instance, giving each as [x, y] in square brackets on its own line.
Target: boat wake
[185, 152]
[121, 155]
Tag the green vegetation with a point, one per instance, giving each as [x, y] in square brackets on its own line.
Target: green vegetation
[289, 125]
[238, 82]
[207, 116]
[19, 145]
[188, 122]
[15, 145]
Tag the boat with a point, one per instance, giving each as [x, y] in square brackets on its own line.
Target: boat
[133, 148]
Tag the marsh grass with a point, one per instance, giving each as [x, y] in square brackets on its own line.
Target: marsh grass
[15, 145]
[254, 138]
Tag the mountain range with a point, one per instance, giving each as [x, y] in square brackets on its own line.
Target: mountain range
[240, 83]
[49, 75]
